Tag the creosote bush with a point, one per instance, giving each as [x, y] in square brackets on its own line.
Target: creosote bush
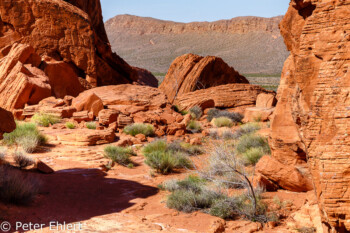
[165, 158]
[139, 128]
[222, 122]
[25, 135]
[216, 113]
[16, 187]
[91, 125]
[194, 126]
[253, 155]
[22, 160]
[45, 120]
[70, 125]
[196, 112]
[249, 141]
[120, 155]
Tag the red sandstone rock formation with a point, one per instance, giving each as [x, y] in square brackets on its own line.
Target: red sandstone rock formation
[7, 122]
[311, 122]
[224, 96]
[192, 72]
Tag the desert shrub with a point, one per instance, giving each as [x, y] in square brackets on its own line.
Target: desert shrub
[139, 128]
[253, 155]
[194, 126]
[70, 125]
[216, 113]
[306, 230]
[22, 160]
[120, 155]
[45, 120]
[25, 135]
[157, 145]
[224, 208]
[169, 185]
[17, 188]
[249, 141]
[246, 129]
[177, 109]
[91, 125]
[186, 148]
[223, 122]
[196, 112]
[213, 133]
[227, 135]
[165, 162]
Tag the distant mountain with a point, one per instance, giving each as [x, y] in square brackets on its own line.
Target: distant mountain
[249, 44]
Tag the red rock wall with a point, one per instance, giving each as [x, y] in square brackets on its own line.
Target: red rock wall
[65, 32]
[312, 116]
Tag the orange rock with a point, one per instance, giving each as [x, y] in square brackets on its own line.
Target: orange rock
[287, 177]
[81, 116]
[7, 122]
[145, 77]
[42, 167]
[85, 137]
[141, 137]
[266, 100]
[257, 114]
[88, 101]
[191, 72]
[108, 116]
[224, 96]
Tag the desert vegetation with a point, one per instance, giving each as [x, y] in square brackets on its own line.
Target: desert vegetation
[120, 155]
[139, 128]
[91, 125]
[45, 120]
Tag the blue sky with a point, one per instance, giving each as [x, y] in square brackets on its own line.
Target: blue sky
[194, 10]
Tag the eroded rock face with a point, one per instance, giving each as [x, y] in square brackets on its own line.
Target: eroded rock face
[311, 120]
[7, 122]
[191, 72]
[70, 32]
[224, 96]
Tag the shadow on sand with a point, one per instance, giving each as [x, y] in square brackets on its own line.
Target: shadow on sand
[76, 195]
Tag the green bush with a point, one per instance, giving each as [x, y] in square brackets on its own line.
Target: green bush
[249, 141]
[157, 145]
[139, 128]
[223, 122]
[253, 155]
[224, 208]
[196, 112]
[22, 160]
[177, 109]
[45, 120]
[216, 113]
[246, 129]
[70, 125]
[166, 162]
[120, 155]
[91, 125]
[17, 188]
[186, 148]
[227, 135]
[25, 135]
[194, 126]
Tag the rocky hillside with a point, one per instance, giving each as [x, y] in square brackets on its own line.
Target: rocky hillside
[250, 44]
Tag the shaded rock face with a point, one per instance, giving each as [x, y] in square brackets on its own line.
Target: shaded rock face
[191, 72]
[76, 36]
[311, 120]
[7, 122]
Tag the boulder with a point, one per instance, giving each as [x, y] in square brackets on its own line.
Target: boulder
[253, 114]
[85, 47]
[191, 72]
[287, 177]
[108, 116]
[85, 137]
[7, 122]
[82, 116]
[88, 101]
[266, 100]
[224, 96]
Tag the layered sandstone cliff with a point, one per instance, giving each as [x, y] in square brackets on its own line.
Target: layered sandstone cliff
[311, 122]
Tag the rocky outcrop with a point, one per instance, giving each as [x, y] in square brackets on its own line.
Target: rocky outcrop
[85, 48]
[191, 72]
[224, 96]
[7, 122]
[311, 122]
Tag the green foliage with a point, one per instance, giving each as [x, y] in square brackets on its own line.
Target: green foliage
[194, 126]
[25, 135]
[139, 128]
[120, 155]
[196, 112]
[70, 125]
[253, 155]
[157, 145]
[227, 135]
[249, 141]
[186, 148]
[216, 113]
[17, 188]
[45, 120]
[246, 129]
[91, 125]
[165, 162]
[223, 122]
